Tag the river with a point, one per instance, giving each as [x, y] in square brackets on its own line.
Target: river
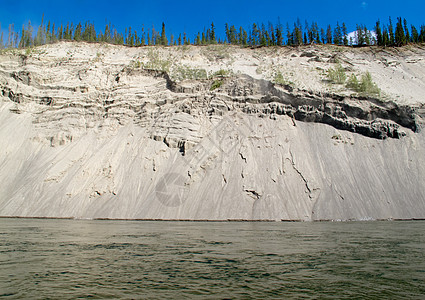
[50, 258]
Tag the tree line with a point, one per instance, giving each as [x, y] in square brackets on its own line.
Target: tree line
[389, 34]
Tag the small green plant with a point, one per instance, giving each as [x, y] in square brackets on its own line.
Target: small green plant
[97, 58]
[279, 79]
[365, 86]
[185, 72]
[156, 63]
[337, 75]
[216, 84]
[136, 64]
[353, 83]
[28, 52]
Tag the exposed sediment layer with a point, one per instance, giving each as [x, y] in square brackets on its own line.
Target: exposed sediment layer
[127, 134]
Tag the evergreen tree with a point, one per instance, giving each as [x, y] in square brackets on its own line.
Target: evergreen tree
[367, 36]
[53, 36]
[345, 34]
[198, 39]
[415, 35]
[130, 40]
[289, 35]
[263, 37]
[308, 32]
[232, 35]
[136, 39]
[422, 34]
[271, 34]
[78, 32]
[322, 33]
[254, 35]
[360, 36]
[378, 33]
[400, 38]
[337, 35]
[298, 34]
[279, 38]
[164, 40]
[60, 29]
[391, 33]
[227, 32]
[11, 37]
[107, 37]
[385, 37]
[203, 39]
[329, 35]
[213, 38]
[406, 30]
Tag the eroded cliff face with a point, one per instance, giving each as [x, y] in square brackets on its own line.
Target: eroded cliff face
[210, 133]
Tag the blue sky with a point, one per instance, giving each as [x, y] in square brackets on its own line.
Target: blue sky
[191, 16]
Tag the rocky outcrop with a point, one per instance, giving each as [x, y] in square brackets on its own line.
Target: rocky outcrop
[89, 135]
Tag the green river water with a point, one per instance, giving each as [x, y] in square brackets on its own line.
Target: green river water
[68, 259]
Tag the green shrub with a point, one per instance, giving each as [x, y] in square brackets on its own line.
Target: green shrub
[216, 84]
[365, 86]
[156, 63]
[185, 72]
[279, 79]
[353, 83]
[337, 75]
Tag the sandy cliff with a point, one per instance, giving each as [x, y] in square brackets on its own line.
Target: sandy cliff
[211, 133]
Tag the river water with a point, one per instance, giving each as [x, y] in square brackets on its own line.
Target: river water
[62, 259]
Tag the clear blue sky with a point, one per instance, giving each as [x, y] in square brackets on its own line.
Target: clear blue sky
[192, 16]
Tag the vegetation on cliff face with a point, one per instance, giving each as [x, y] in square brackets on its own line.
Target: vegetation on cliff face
[257, 35]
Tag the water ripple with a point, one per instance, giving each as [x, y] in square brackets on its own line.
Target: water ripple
[115, 259]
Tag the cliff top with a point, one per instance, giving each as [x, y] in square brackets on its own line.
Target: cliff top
[398, 73]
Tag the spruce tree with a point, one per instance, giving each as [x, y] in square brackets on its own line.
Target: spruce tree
[279, 38]
[378, 33]
[322, 33]
[213, 38]
[164, 40]
[406, 30]
[203, 39]
[422, 34]
[345, 34]
[78, 32]
[400, 38]
[415, 35]
[289, 35]
[391, 32]
[254, 35]
[227, 32]
[337, 35]
[329, 35]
